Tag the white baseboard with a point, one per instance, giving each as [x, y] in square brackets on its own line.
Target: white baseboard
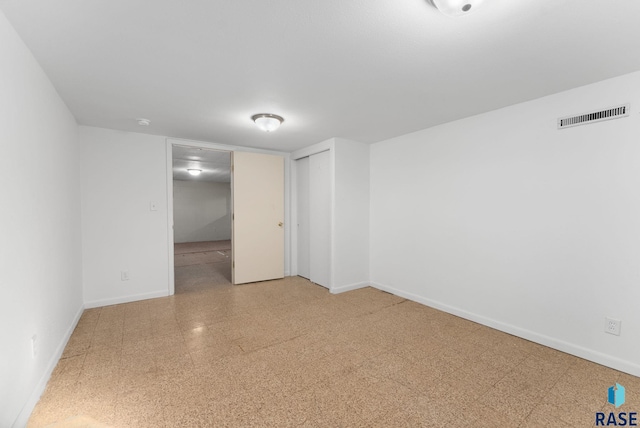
[570, 348]
[348, 287]
[27, 409]
[125, 299]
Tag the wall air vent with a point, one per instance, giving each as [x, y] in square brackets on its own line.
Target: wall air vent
[596, 116]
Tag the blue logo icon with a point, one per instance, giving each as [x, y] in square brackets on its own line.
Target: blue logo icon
[616, 395]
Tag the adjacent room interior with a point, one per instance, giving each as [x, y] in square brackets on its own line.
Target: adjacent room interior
[201, 218]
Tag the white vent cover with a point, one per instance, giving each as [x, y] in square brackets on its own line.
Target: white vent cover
[596, 116]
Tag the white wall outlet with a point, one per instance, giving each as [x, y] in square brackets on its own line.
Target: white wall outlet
[124, 275]
[153, 206]
[612, 326]
[34, 346]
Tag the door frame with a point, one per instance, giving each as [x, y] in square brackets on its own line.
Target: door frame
[170, 142]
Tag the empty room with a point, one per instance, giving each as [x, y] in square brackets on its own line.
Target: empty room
[321, 214]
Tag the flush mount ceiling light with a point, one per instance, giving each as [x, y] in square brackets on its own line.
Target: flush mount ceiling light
[194, 171]
[267, 122]
[456, 7]
[143, 122]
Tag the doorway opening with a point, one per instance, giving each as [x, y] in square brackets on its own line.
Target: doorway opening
[202, 218]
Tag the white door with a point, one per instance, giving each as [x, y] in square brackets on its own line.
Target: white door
[258, 217]
[320, 218]
[302, 193]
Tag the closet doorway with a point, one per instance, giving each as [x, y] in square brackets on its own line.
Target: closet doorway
[313, 181]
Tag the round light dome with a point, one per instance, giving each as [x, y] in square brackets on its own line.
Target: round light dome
[267, 122]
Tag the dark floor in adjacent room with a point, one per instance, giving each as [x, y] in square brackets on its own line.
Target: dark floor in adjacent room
[288, 353]
[202, 265]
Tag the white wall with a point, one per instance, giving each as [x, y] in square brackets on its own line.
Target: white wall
[504, 219]
[123, 173]
[350, 255]
[40, 273]
[201, 211]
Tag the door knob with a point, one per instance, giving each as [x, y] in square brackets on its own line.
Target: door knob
[280, 224]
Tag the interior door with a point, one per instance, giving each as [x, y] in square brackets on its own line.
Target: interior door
[258, 217]
[302, 193]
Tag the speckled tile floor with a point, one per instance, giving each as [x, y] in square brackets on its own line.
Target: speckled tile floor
[287, 353]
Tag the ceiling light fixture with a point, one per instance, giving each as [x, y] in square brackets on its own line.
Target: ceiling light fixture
[267, 122]
[194, 171]
[143, 122]
[456, 7]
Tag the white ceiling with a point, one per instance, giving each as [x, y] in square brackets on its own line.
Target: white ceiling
[366, 70]
[215, 164]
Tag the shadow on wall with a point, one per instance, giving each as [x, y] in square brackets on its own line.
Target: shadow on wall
[201, 211]
[217, 230]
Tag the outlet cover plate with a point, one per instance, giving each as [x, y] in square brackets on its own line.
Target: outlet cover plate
[612, 326]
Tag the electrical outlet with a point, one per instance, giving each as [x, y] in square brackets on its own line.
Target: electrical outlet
[612, 326]
[34, 347]
[124, 275]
